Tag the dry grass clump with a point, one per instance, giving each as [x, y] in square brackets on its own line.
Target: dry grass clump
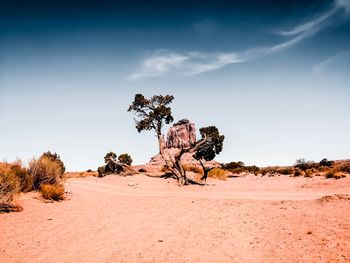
[334, 173]
[52, 191]
[9, 186]
[80, 174]
[44, 171]
[193, 168]
[218, 173]
[344, 168]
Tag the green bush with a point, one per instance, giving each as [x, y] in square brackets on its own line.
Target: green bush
[125, 159]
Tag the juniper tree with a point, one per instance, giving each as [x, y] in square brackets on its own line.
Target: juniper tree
[210, 145]
[153, 114]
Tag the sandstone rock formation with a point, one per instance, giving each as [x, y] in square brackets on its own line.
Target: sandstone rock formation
[181, 135]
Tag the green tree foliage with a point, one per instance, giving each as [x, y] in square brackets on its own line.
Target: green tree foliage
[208, 146]
[125, 159]
[152, 113]
[326, 163]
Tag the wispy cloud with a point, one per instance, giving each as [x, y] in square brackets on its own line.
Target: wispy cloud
[165, 63]
[323, 66]
[316, 23]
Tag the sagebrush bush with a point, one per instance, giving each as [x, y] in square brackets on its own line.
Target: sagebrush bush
[44, 171]
[297, 172]
[52, 191]
[344, 168]
[56, 158]
[285, 170]
[330, 173]
[218, 173]
[9, 183]
[334, 173]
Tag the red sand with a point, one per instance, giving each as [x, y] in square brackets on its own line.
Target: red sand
[253, 219]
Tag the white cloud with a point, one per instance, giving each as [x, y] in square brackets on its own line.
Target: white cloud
[163, 63]
[166, 63]
[316, 23]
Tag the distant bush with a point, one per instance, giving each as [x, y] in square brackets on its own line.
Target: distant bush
[52, 191]
[237, 170]
[79, 174]
[44, 170]
[303, 165]
[252, 169]
[142, 170]
[330, 174]
[110, 156]
[233, 165]
[326, 163]
[344, 168]
[334, 173]
[218, 173]
[310, 172]
[285, 170]
[297, 172]
[125, 159]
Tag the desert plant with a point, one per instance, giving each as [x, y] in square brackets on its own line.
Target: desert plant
[330, 173]
[285, 170]
[125, 159]
[52, 191]
[44, 171]
[297, 172]
[218, 173]
[153, 114]
[55, 158]
[326, 163]
[193, 168]
[233, 165]
[142, 170]
[344, 168]
[303, 165]
[309, 172]
[211, 144]
[9, 184]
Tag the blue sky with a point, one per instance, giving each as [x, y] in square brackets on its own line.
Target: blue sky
[273, 76]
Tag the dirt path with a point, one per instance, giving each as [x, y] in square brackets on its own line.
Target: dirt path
[250, 219]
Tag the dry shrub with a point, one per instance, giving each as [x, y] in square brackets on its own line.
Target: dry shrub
[218, 173]
[164, 169]
[44, 171]
[344, 168]
[80, 174]
[330, 174]
[309, 173]
[193, 168]
[334, 173]
[9, 183]
[52, 191]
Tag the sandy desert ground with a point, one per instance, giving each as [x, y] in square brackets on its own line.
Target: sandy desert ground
[252, 219]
